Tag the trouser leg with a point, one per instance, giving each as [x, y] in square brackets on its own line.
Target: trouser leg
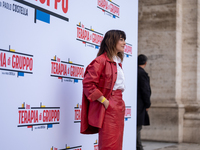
[111, 133]
[139, 142]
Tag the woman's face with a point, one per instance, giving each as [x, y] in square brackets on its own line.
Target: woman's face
[120, 45]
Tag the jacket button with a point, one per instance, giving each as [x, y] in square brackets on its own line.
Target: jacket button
[115, 72]
[114, 64]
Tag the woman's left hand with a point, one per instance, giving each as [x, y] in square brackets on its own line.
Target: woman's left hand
[106, 103]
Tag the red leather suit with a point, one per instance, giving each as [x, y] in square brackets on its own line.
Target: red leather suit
[99, 79]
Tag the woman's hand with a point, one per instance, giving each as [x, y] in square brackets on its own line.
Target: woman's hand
[106, 103]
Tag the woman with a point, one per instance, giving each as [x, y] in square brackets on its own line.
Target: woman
[102, 105]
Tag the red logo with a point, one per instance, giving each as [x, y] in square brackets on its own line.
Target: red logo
[38, 116]
[89, 36]
[109, 7]
[128, 49]
[127, 113]
[43, 14]
[62, 3]
[96, 145]
[77, 113]
[64, 69]
[10, 60]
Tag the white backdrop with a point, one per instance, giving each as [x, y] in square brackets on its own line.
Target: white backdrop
[45, 46]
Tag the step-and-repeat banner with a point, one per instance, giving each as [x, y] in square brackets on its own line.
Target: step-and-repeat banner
[45, 46]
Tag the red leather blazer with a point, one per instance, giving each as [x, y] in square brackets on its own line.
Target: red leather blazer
[99, 79]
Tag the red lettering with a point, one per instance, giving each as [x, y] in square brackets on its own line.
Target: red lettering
[128, 49]
[48, 2]
[52, 67]
[20, 115]
[117, 10]
[3, 59]
[96, 38]
[44, 115]
[32, 115]
[77, 114]
[93, 37]
[65, 70]
[36, 117]
[29, 117]
[17, 61]
[71, 71]
[30, 64]
[27, 63]
[99, 2]
[27, 106]
[25, 117]
[95, 147]
[127, 112]
[58, 68]
[82, 72]
[103, 4]
[79, 32]
[51, 115]
[76, 71]
[56, 3]
[83, 34]
[24, 62]
[58, 115]
[8, 61]
[65, 6]
[20, 62]
[61, 69]
[42, 1]
[114, 9]
[22, 121]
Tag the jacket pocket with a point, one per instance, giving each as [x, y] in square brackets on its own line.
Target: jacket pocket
[108, 108]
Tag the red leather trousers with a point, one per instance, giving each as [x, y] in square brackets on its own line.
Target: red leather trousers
[111, 133]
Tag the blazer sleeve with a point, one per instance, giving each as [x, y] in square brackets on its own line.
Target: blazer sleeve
[145, 89]
[91, 80]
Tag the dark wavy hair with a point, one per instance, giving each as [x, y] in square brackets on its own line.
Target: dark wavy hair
[109, 43]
